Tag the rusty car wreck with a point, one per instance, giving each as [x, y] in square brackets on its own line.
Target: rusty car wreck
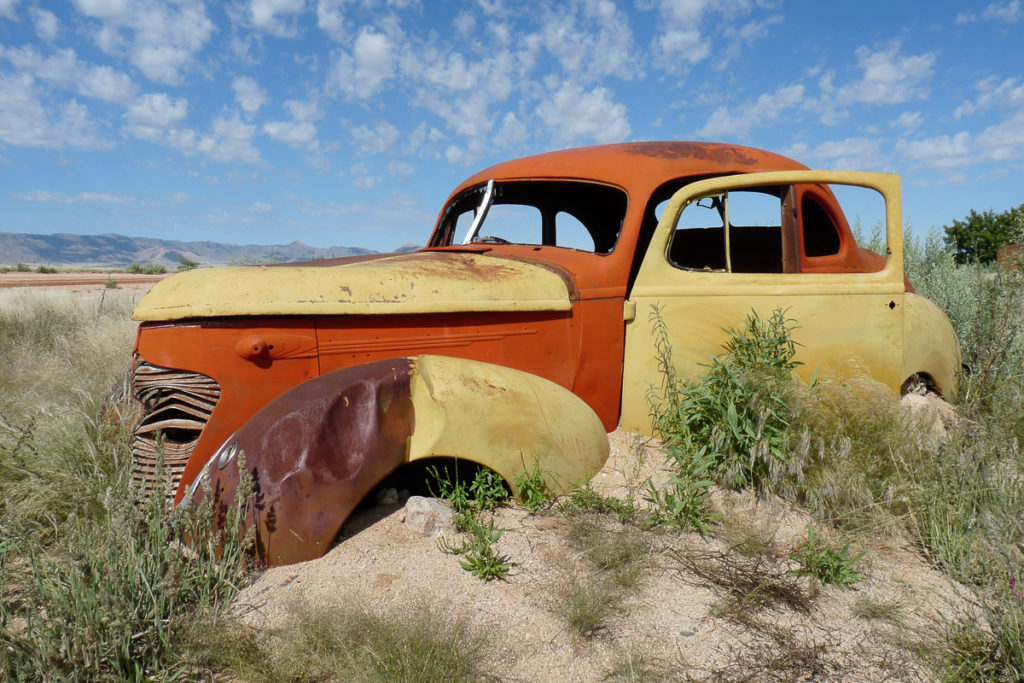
[519, 334]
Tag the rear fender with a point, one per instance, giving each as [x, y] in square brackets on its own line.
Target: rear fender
[315, 451]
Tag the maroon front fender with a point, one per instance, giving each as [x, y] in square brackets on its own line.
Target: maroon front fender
[313, 453]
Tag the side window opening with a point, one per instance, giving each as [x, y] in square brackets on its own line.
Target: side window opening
[739, 231]
[821, 237]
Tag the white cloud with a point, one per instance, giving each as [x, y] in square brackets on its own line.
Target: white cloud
[370, 66]
[737, 122]
[512, 132]
[993, 93]
[330, 17]
[269, 15]
[683, 36]
[1004, 141]
[856, 153]
[7, 8]
[401, 169]
[46, 23]
[157, 118]
[248, 94]
[361, 176]
[573, 114]
[300, 130]
[26, 122]
[378, 139]
[591, 43]
[229, 141]
[1009, 12]
[152, 114]
[164, 38]
[64, 70]
[44, 197]
[943, 151]
[908, 120]
[889, 77]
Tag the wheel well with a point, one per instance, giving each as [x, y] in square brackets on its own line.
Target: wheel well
[417, 477]
[919, 380]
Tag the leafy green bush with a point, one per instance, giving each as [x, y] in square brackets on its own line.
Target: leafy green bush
[485, 493]
[531, 489]
[737, 413]
[828, 565]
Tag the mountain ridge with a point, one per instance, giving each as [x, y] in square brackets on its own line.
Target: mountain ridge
[115, 250]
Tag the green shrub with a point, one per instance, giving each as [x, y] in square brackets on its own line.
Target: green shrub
[531, 489]
[738, 412]
[485, 493]
[828, 565]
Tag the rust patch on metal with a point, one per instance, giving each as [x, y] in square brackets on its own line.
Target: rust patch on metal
[567, 277]
[313, 453]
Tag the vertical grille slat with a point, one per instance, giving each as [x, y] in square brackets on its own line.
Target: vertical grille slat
[177, 405]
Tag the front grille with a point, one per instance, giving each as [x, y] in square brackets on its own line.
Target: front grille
[176, 407]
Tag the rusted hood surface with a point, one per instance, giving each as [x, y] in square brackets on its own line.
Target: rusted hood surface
[421, 282]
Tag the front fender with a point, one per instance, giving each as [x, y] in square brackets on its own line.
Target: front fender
[315, 451]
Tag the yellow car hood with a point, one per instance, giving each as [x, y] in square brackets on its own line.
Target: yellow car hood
[419, 282]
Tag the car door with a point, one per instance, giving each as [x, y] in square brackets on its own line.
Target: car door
[726, 246]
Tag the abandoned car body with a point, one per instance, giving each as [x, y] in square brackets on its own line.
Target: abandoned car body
[520, 333]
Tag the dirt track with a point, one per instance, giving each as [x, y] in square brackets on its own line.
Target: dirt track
[79, 281]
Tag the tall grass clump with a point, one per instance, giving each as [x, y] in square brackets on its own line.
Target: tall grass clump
[93, 583]
[348, 641]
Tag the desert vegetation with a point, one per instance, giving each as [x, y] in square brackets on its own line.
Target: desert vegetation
[96, 584]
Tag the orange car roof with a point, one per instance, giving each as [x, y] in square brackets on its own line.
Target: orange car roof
[631, 164]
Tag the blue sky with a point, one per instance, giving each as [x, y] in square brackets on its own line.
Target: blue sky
[348, 122]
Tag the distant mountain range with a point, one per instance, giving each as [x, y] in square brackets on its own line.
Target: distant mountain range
[119, 251]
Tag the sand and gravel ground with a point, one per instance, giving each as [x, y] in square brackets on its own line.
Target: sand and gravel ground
[680, 621]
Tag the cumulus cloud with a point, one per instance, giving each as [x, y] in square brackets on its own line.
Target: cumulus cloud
[371, 65]
[573, 114]
[591, 40]
[686, 32]
[888, 76]
[300, 131]
[377, 139]
[160, 119]
[248, 93]
[46, 23]
[401, 169]
[1009, 12]
[330, 17]
[162, 39]
[7, 9]
[64, 70]
[993, 93]
[942, 151]
[25, 121]
[361, 176]
[737, 122]
[276, 16]
[855, 153]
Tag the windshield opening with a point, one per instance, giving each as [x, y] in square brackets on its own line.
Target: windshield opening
[569, 214]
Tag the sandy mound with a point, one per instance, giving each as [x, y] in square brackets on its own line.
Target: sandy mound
[690, 614]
